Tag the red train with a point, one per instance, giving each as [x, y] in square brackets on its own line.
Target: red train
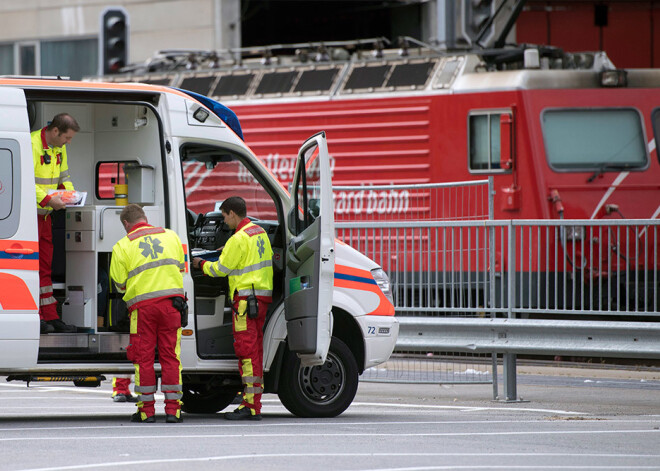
[564, 136]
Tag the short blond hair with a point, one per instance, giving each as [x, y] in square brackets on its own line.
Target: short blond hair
[132, 213]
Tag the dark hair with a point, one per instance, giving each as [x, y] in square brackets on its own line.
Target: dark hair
[63, 122]
[132, 213]
[236, 204]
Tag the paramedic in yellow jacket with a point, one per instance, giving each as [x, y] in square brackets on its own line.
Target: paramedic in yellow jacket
[146, 265]
[247, 259]
[51, 170]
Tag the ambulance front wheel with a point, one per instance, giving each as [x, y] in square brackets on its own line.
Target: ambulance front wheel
[319, 391]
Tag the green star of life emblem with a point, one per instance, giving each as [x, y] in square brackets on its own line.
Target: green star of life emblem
[151, 247]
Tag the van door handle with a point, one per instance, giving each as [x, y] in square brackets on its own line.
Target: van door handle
[19, 251]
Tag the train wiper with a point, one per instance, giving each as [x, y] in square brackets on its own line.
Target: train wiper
[605, 168]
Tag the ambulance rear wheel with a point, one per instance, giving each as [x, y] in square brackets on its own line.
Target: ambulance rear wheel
[197, 401]
[319, 391]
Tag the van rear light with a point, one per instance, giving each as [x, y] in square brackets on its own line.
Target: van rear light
[614, 78]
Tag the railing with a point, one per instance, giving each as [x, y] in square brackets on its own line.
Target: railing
[551, 287]
[383, 222]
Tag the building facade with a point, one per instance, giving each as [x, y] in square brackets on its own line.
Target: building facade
[41, 37]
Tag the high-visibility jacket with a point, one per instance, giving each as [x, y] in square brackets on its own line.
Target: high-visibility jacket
[48, 176]
[247, 259]
[147, 265]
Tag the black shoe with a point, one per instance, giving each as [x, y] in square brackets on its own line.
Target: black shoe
[173, 419]
[46, 328]
[137, 417]
[124, 398]
[61, 327]
[242, 413]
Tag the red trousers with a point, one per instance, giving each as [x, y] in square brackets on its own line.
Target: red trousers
[121, 385]
[249, 348]
[47, 302]
[156, 324]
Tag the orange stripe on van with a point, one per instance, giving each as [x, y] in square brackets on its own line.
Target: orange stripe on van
[14, 293]
[363, 280]
[19, 255]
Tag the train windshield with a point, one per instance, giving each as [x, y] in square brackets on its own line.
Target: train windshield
[656, 126]
[587, 139]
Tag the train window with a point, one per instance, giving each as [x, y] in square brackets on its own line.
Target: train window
[316, 80]
[201, 85]
[607, 139]
[233, 85]
[655, 118]
[366, 77]
[484, 142]
[406, 75]
[276, 82]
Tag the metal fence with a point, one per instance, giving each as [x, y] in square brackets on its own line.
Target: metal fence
[484, 287]
[465, 200]
[365, 216]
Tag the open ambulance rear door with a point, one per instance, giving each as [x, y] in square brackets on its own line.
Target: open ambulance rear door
[19, 247]
[310, 257]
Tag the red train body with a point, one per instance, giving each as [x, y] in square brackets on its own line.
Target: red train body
[564, 136]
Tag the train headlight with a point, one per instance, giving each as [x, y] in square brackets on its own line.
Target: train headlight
[574, 233]
[383, 282]
[614, 78]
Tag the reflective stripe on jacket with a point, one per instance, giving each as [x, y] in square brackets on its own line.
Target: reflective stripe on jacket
[147, 264]
[247, 259]
[48, 176]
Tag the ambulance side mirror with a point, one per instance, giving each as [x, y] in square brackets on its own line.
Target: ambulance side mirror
[506, 141]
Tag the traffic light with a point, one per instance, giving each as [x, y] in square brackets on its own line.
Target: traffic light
[477, 13]
[114, 40]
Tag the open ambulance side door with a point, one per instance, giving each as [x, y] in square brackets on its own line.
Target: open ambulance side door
[19, 247]
[310, 256]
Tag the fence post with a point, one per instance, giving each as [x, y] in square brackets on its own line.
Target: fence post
[491, 271]
[509, 366]
[509, 359]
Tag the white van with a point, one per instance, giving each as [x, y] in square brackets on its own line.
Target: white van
[332, 315]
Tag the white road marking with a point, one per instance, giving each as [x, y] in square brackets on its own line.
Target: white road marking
[466, 408]
[333, 455]
[159, 436]
[305, 423]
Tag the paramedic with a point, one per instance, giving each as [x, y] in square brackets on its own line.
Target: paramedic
[247, 259]
[51, 171]
[146, 265]
[120, 389]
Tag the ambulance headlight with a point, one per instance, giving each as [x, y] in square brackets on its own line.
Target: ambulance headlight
[383, 282]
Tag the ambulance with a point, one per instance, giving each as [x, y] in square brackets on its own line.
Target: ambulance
[332, 315]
